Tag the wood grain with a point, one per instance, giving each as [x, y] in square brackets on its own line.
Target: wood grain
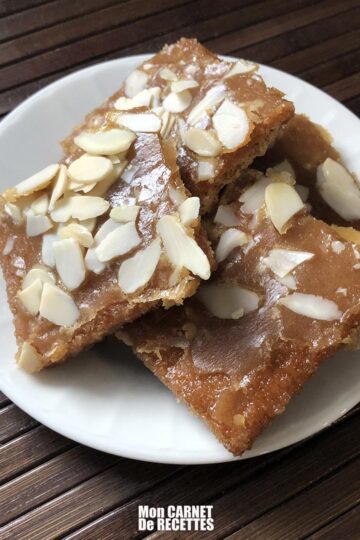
[52, 488]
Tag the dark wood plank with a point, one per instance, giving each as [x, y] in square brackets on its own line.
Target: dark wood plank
[31, 449]
[309, 510]
[13, 422]
[334, 70]
[346, 88]
[353, 104]
[84, 24]
[4, 400]
[342, 528]
[7, 7]
[65, 471]
[88, 500]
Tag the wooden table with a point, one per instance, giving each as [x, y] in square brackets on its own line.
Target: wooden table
[54, 488]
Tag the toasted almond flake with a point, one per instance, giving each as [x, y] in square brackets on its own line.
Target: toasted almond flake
[112, 141]
[337, 246]
[38, 181]
[92, 262]
[205, 170]
[89, 169]
[84, 188]
[57, 306]
[339, 189]
[282, 261]
[348, 233]
[128, 174]
[356, 266]
[181, 249]
[31, 296]
[185, 84]
[36, 225]
[254, 197]
[212, 98]
[79, 207]
[231, 125]
[284, 166]
[289, 281]
[167, 122]
[125, 104]
[38, 272]
[228, 302]
[282, 203]
[135, 82]
[123, 214]
[177, 102]
[118, 242]
[47, 251]
[138, 270]
[341, 290]
[8, 246]
[103, 187]
[14, 212]
[229, 240]
[78, 232]
[167, 75]
[29, 360]
[60, 186]
[90, 224]
[140, 122]
[303, 191]
[189, 210]
[176, 196]
[69, 262]
[225, 215]
[40, 205]
[202, 142]
[150, 97]
[240, 67]
[312, 306]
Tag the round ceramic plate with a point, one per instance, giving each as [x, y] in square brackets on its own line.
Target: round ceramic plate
[106, 398]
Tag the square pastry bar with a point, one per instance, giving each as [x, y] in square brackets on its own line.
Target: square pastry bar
[85, 248]
[221, 114]
[286, 296]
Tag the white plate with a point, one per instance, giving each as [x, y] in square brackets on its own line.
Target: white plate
[106, 399]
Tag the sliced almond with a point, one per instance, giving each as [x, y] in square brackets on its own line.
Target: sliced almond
[29, 360]
[118, 242]
[185, 84]
[36, 225]
[229, 240]
[202, 142]
[128, 174]
[38, 181]
[7, 249]
[167, 74]
[312, 306]
[47, 250]
[69, 263]
[60, 186]
[339, 189]
[212, 98]
[303, 191]
[90, 224]
[225, 215]
[123, 214]
[14, 212]
[231, 125]
[79, 207]
[176, 196]
[112, 141]
[282, 203]
[36, 273]
[282, 261]
[177, 102]
[189, 210]
[289, 281]
[150, 97]
[140, 122]
[40, 205]
[83, 188]
[138, 270]
[103, 187]
[254, 197]
[31, 296]
[89, 169]
[181, 249]
[284, 166]
[135, 82]
[57, 306]
[167, 122]
[228, 302]
[92, 262]
[125, 104]
[78, 232]
[206, 170]
[240, 67]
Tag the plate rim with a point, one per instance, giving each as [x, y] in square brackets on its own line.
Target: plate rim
[193, 457]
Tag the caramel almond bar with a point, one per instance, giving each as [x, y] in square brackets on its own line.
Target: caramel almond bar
[97, 240]
[221, 114]
[285, 297]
